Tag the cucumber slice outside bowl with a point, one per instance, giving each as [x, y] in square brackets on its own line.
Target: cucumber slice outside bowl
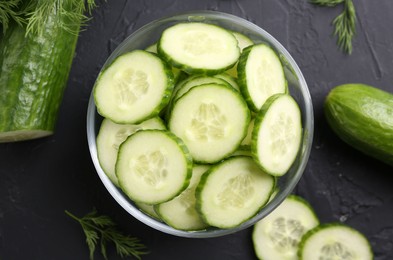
[297, 87]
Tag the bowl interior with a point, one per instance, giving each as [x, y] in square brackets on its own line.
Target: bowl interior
[148, 35]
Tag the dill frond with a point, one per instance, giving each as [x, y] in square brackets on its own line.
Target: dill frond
[102, 228]
[344, 24]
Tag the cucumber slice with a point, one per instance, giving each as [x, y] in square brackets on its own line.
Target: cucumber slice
[260, 75]
[181, 212]
[277, 235]
[228, 78]
[176, 72]
[152, 48]
[148, 210]
[277, 134]
[111, 135]
[334, 241]
[199, 48]
[242, 41]
[196, 81]
[243, 152]
[135, 87]
[176, 88]
[153, 166]
[246, 143]
[233, 191]
[212, 120]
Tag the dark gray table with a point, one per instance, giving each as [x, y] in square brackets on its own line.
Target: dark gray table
[40, 179]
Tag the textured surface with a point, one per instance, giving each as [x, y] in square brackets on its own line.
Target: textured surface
[40, 179]
[31, 83]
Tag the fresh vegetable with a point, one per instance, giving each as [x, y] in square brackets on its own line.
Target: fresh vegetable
[36, 52]
[246, 143]
[148, 209]
[277, 134]
[196, 81]
[334, 241]
[362, 116]
[199, 48]
[181, 212]
[229, 79]
[212, 120]
[189, 82]
[208, 119]
[111, 135]
[242, 42]
[134, 88]
[233, 191]
[153, 166]
[277, 235]
[260, 75]
[344, 23]
[177, 74]
[101, 229]
[292, 231]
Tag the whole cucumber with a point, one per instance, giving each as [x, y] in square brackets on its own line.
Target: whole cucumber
[362, 116]
[33, 76]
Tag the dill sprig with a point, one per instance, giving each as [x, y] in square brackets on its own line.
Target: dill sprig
[34, 14]
[100, 228]
[330, 3]
[344, 23]
[9, 12]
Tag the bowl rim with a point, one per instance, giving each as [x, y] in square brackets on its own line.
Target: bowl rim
[216, 232]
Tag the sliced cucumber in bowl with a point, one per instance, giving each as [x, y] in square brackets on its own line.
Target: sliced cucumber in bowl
[199, 48]
[233, 191]
[212, 120]
[134, 88]
[110, 137]
[153, 166]
[277, 134]
[212, 154]
[260, 75]
[181, 212]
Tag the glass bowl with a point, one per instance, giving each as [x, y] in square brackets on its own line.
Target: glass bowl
[148, 35]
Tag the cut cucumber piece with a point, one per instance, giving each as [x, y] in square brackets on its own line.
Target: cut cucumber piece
[212, 120]
[111, 135]
[192, 81]
[334, 241]
[181, 213]
[277, 235]
[148, 210]
[152, 48]
[243, 152]
[277, 134]
[176, 72]
[260, 75]
[196, 81]
[233, 191]
[135, 87]
[242, 41]
[199, 48]
[153, 166]
[246, 143]
[228, 78]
